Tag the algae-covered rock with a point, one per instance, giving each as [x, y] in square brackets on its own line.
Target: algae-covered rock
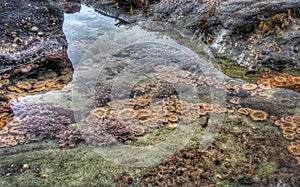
[51, 166]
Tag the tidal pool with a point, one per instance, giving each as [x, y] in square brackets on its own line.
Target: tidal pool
[146, 108]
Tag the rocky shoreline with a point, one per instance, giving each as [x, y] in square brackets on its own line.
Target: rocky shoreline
[251, 33]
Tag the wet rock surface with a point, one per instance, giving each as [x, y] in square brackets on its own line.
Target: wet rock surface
[29, 30]
[252, 33]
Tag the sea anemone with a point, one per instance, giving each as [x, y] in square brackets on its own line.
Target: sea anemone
[235, 100]
[24, 85]
[244, 111]
[4, 130]
[26, 69]
[170, 108]
[288, 132]
[202, 112]
[91, 119]
[249, 86]
[142, 102]
[161, 112]
[289, 119]
[184, 109]
[7, 141]
[289, 137]
[253, 93]
[6, 76]
[263, 81]
[287, 125]
[172, 126]
[5, 82]
[144, 114]
[280, 79]
[153, 124]
[262, 94]
[99, 112]
[12, 88]
[127, 113]
[138, 130]
[169, 102]
[40, 84]
[40, 89]
[265, 86]
[173, 118]
[295, 150]
[258, 115]
[110, 112]
[296, 79]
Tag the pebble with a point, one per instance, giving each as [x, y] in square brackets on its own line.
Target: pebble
[26, 166]
[44, 176]
[40, 33]
[34, 29]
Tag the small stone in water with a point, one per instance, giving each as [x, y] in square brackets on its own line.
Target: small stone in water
[40, 33]
[26, 166]
[34, 29]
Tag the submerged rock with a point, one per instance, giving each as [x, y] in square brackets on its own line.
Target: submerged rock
[249, 32]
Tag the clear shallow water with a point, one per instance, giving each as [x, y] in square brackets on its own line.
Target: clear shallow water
[163, 91]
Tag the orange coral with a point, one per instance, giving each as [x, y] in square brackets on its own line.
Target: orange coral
[258, 115]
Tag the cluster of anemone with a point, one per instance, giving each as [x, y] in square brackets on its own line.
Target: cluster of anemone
[290, 127]
[108, 131]
[256, 115]
[12, 134]
[294, 149]
[279, 80]
[43, 121]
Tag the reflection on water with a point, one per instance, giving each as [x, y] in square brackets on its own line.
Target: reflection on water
[144, 96]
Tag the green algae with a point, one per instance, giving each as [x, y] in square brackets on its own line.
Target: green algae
[74, 167]
[158, 135]
[267, 168]
[234, 70]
